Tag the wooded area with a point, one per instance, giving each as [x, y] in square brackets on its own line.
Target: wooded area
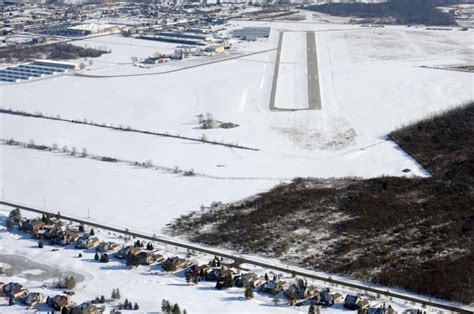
[402, 11]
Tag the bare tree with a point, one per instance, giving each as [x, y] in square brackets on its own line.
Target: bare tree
[200, 118]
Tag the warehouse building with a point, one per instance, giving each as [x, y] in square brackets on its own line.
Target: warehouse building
[252, 33]
[36, 69]
[173, 40]
[89, 29]
[195, 36]
[56, 64]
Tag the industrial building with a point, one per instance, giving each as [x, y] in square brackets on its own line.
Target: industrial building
[203, 37]
[215, 48]
[89, 29]
[36, 69]
[181, 38]
[252, 33]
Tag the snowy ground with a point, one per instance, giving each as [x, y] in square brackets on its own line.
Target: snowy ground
[371, 83]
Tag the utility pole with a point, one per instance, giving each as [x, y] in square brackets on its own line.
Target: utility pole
[44, 203]
[88, 213]
[3, 194]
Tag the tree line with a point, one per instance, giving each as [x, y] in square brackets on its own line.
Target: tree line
[402, 11]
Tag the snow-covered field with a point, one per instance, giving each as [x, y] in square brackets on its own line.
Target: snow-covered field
[371, 83]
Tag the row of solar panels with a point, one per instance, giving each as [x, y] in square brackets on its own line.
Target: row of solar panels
[28, 72]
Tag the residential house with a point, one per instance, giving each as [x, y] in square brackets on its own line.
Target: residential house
[33, 298]
[113, 246]
[81, 241]
[199, 272]
[247, 279]
[295, 291]
[225, 272]
[15, 220]
[108, 246]
[125, 251]
[338, 297]
[14, 289]
[390, 310]
[85, 308]
[355, 303]
[214, 274]
[156, 60]
[273, 287]
[148, 257]
[33, 226]
[36, 226]
[87, 242]
[376, 310]
[58, 302]
[53, 231]
[158, 257]
[363, 304]
[92, 242]
[174, 263]
[325, 298]
[67, 237]
[310, 291]
[301, 290]
[134, 250]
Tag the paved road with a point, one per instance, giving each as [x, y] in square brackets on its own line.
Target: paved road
[176, 70]
[314, 94]
[238, 259]
[275, 76]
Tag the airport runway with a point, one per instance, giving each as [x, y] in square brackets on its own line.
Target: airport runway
[314, 93]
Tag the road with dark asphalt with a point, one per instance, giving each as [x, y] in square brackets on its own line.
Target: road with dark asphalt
[176, 70]
[314, 94]
[239, 259]
[276, 69]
